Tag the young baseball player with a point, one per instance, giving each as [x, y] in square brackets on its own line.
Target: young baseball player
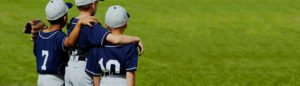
[114, 64]
[51, 43]
[89, 37]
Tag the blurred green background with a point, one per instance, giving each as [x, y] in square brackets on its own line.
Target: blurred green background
[187, 42]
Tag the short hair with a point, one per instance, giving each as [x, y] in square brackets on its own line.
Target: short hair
[110, 28]
[84, 7]
[58, 21]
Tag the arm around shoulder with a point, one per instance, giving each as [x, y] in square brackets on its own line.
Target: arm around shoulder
[121, 39]
[125, 39]
[71, 40]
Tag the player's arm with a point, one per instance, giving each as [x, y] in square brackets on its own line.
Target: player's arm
[96, 80]
[71, 40]
[125, 39]
[131, 65]
[130, 76]
[33, 27]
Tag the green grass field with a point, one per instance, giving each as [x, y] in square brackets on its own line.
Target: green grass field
[187, 42]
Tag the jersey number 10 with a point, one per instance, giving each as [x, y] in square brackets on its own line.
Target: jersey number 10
[109, 63]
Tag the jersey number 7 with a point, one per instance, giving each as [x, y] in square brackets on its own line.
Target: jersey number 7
[45, 54]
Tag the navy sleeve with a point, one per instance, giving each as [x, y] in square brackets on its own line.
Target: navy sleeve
[71, 25]
[132, 59]
[97, 35]
[69, 29]
[93, 66]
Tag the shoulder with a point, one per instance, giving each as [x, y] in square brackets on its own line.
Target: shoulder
[60, 33]
[72, 23]
[52, 34]
[109, 45]
[131, 47]
[98, 26]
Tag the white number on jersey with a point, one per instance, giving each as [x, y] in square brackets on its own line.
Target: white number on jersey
[109, 63]
[45, 54]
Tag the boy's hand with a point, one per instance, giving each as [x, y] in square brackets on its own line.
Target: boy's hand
[141, 47]
[33, 27]
[87, 21]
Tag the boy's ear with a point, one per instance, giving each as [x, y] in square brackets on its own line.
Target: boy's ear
[66, 18]
[94, 5]
[125, 26]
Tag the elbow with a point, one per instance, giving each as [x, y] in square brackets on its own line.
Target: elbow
[69, 44]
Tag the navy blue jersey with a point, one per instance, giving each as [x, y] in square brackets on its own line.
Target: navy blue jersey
[89, 37]
[112, 60]
[51, 57]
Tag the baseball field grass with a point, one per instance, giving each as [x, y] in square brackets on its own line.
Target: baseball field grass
[187, 42]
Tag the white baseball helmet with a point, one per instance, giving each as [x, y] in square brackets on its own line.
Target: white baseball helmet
[116, 16]
[56, 9]
[84, 2]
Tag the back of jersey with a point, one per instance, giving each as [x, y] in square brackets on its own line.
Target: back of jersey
[89, 37]
[112, 60]
[51, 57]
